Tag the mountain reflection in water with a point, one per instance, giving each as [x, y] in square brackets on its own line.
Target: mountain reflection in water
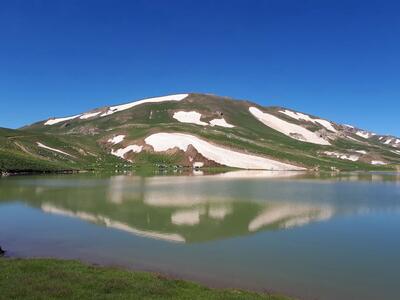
[186, 209]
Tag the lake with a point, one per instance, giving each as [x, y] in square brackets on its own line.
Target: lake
[303, 235]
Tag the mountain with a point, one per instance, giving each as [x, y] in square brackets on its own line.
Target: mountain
[194, 130]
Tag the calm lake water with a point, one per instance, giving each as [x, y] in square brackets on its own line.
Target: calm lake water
[313, 238]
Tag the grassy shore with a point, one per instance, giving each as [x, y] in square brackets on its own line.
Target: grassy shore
[65, 279]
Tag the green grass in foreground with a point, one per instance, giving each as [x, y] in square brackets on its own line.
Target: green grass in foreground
[55, 279]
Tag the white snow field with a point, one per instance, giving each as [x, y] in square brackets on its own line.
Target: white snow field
[378, 162]
[221, 122]
[194, 117]
[113, 109]
[299, 116]
[342, 155]
[361, 151]
[165, 141]
[59, 120]
[189, 117]
[122, 151]
[116, 139]
[292, 130]
[89, 115]
[52, 149]
[117, 108]
[388, 141]
[349, 126]
[365, 134]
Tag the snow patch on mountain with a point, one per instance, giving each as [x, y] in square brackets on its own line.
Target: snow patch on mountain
[113, 109]
[292, 130]
[361, 151]
[116, 139]
[122, 151]
[387, 142]
[342, 155]
[189, 117]
[52, 149]
[365, 134]
[165, 141]
[59, 120]
[378, 162]
[221, 122]
[89, 115]
[300, 116]
[194, 117]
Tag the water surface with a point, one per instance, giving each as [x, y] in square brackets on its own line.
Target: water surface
[332, 237]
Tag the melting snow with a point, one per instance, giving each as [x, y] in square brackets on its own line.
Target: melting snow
[89, 115]
[122, 151]
[165, 141]
[194, 118]
[361, 151]
[365, 134]
[189, 117]
[221, 122]
[116, 139]
[58, 120]
[292, 130]
[117, 108]
[378, 162]
[342, 155]
[388, 142]
[52, 149]
[300, 116]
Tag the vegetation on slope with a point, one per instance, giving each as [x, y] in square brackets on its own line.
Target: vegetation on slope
[86, 139]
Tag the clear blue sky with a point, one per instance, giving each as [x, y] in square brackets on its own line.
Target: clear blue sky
[336, 59]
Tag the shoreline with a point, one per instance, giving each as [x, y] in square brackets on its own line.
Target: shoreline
[106, 281]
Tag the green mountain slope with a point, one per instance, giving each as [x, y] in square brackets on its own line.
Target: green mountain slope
[195, 129]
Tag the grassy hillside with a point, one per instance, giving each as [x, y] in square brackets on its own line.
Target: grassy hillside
[19, 152]
[86, 140]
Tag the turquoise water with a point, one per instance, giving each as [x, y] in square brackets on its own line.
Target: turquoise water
[301, 235]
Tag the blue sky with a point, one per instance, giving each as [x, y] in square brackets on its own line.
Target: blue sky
[336, 59]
